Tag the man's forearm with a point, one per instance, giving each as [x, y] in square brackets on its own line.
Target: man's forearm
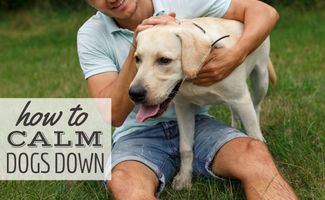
[118, 91]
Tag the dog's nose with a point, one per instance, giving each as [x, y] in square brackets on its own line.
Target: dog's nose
[137, 93]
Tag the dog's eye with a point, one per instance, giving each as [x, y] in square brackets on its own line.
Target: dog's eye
[164, 61]
[137, 59]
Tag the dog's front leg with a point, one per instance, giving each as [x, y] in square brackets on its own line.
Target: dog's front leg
[186, 124]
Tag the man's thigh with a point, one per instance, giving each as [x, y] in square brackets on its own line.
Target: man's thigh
[155, 148]
[133, 179]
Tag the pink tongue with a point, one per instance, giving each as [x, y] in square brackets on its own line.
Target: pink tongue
[146, 112]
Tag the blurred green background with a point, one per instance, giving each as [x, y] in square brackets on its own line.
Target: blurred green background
[38, 58]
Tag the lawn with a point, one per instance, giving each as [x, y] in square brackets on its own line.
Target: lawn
[38, 59]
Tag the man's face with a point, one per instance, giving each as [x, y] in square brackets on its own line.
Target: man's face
[118, 9]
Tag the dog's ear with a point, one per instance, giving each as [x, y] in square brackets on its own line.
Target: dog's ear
[195, 49]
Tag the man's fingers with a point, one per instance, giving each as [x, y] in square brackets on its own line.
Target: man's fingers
[143, 27]
[208, 78]
[208, 59]
[172, 14]
[204, 75]
[207, 69]
[154, 21]
[202, 82]
[164, 19]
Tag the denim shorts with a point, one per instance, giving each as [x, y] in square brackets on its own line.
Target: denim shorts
[158, 147]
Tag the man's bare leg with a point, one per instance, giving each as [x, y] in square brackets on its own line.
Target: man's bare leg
[250, 161]
[132, 180]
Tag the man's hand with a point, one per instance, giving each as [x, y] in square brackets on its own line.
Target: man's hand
[219, 64]
[155, 20]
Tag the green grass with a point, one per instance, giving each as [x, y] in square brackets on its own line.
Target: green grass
[38, 55]
[38, 59]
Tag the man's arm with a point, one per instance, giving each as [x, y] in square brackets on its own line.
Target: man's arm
[115, 86]
[259, 20]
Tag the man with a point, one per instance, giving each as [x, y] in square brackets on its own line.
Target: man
[145, 156]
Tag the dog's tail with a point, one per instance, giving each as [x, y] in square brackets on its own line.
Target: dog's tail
[272, 74]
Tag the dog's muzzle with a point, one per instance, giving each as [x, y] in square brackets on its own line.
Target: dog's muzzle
[152, 111]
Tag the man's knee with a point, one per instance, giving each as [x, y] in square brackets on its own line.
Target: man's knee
[119, 179]
[258, 152]
[257, 161]
[125, 185]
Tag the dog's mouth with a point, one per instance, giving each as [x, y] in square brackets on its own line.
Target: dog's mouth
[151, 111]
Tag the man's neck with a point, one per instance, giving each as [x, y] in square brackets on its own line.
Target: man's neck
[144, 10]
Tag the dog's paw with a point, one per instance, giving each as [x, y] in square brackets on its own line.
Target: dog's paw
[182, 182]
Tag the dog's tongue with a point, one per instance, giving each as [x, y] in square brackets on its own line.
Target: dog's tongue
[146, 112]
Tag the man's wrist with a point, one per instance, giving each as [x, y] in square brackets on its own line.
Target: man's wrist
[241, 53]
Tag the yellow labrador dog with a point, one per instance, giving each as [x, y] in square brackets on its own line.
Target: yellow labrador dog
[167, 56]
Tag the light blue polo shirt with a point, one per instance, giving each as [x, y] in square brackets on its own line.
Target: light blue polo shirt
[103, 47]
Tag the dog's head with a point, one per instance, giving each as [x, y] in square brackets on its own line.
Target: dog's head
[165, 55]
